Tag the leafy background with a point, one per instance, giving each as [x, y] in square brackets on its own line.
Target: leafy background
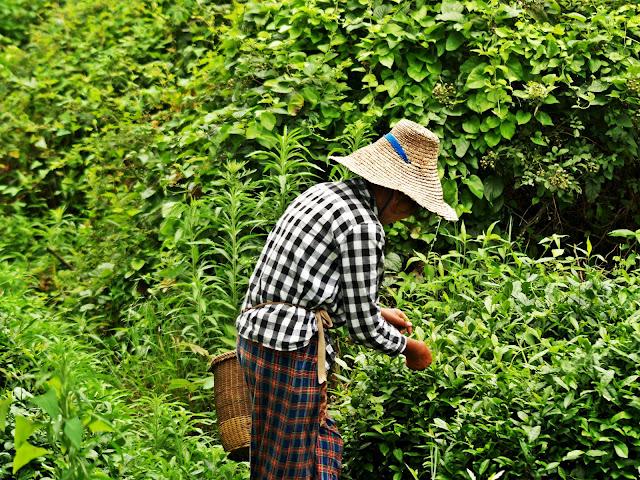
[148, 147]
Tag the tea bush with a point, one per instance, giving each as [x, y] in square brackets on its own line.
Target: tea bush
[535, 371]
[66, 413]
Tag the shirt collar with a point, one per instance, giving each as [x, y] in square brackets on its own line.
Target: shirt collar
[365, 192]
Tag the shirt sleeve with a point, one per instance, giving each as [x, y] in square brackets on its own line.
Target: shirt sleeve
[361, 258]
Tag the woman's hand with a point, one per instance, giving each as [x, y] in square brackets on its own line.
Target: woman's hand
[398, 319]
[417, 354]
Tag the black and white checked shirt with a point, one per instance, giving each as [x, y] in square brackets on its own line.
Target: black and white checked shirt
[326, 251]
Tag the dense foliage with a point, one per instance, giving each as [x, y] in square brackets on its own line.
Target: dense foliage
[535, 102]
[147, 147]
[535, 373]
[68, 411]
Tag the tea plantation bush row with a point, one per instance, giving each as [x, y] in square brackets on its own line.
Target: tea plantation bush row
[535, 376]
[535, 373]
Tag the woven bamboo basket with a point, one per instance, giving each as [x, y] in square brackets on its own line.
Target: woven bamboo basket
[233, 405]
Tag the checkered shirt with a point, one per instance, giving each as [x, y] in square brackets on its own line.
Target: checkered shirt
[326, 251]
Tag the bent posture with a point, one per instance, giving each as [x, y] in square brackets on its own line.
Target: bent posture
[321, 266]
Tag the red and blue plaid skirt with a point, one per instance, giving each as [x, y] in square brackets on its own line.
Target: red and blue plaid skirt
[291, 435]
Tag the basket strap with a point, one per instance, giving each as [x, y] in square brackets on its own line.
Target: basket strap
[323, 320]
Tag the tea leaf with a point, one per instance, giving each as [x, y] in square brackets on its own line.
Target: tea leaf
[25, 453]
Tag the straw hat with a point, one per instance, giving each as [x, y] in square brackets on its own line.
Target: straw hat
[405, 159]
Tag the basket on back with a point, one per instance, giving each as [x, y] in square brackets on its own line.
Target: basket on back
[233, 405]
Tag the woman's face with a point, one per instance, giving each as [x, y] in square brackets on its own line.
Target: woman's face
[400, 207]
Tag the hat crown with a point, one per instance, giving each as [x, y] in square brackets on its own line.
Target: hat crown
[412, 135]
[415, 140]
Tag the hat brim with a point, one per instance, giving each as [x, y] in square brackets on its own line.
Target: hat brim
[380, 164]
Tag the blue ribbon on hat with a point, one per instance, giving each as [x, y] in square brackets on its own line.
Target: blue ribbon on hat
[397, 147]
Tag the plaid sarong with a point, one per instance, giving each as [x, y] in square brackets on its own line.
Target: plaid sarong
[291, 435]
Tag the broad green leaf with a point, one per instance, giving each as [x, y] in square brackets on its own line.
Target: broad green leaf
[543, 118]
[137, 263]
[296, 102]
[623, 232]
[387, 60]
[398, 454]
[471, 125]
[310, 68]
[278, 85]
[533, 433]
[441, 423]
[621, 416]
[24, 428]
[516, 72]
[100, 426]
[621, 450]
[539, 139]
[560, 382]
[475, 185]
[451, 16]
[393, 86]
[493, 187]
[598, 86]
[384, 449]
[573, 454]
[311, 95]
[49, 403]
[208, 383]
[451, 6]
[531, 336]
[371, 79]
[477, 77]
[576, 16]
[595, 453]
[462, 145]
[492, 138]
[523, 117]
[254, 130]
[479, 102]
[393, 29]
[489, 122]
[507, 129]
[267, 119]
[73, 431]
[450, 191]
[416, 72]
[454, 40]
[393, 262]
[25, 453]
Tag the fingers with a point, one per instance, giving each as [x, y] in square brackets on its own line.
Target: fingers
[398, 319]
[402, 322]
[407, 322]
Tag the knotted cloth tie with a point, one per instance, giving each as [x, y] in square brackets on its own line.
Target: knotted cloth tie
[323, 320]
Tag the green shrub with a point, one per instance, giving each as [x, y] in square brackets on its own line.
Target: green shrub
[535, 102]
[66, 412]
[535, 372]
